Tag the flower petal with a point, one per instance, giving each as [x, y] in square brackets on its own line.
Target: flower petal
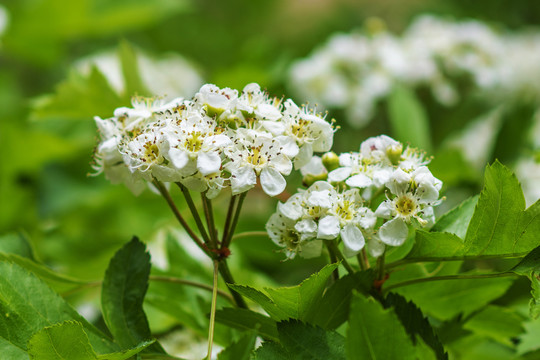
[243, 179]
[328, 228]
[272, 182]
[394, 232]
[353, 239]
[208, 162]
[359, 181]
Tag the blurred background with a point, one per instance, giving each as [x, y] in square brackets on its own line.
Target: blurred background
[460, 79]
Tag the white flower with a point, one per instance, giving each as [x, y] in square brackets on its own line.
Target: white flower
[258, 157]
[283, 233]
[215, 100]
[255, 102]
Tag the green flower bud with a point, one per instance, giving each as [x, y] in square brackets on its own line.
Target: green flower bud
[310, 179]
[394, 153]
[330, 161]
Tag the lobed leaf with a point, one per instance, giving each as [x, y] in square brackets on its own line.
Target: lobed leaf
[240, 350]
[530, 266]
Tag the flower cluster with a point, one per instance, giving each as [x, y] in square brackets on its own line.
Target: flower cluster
[349, 203]
[220, 138]
[355, 71]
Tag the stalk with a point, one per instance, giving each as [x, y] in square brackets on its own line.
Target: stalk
[213, 311]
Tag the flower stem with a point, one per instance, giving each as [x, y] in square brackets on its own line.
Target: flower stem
[194, 212]
[227, 277]
[361, 262]
[213, 311]
[250, 234]
[333, 260]
[449, 277]
[380, 266]
[230, 233]
[228, 218]
[209, 215]
[163, 190]
[332, 246]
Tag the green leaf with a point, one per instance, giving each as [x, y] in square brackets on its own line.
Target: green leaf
[79, 97]
[55, 280]
[376, 333]
[298, 302]
[27, 305]
[415, 323]
[500, 224]
[308, 342]
[530, 266]
[408, 118]
[529, 340]
[333, 309]
[18, 244]
[240, 350]
[272, 351]
[447, 298]
[496, 322]
[126, 354]
[244, 319]
[436, 245]
[64, 341]
[130, 71]
[457, 220]
[122, 295]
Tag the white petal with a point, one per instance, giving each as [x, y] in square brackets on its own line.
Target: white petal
[208, 163]
[359, 181]
[328, 228]
[307, 229]
[243, 179]
[288, 146]
[314, 167]
[375, 247]
[339, 174]
[282, 164]
[291, 209]
[275, 127]
[319, 198]
[385, 210]
[272, 182]
[353, 239]
[178, 157]
[399, 182]
[394, 232]
[304, 156]
[217, 141]
[268, 112]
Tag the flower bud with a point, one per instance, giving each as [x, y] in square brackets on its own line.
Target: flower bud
[330, 161]
[394, 153]
[310, 179]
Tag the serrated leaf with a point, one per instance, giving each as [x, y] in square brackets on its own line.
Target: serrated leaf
[370, 329]
[408, 118]
[304, 341]
[333, 309]
[457, 220]
[530, 266]
[298, 302]
[28, 305]
[122, 295]
[272, 351]
[63, 341]
[415, 323]
[529, 339]
[496, 322]
[240, 350]
[244, 319]
[500, 224]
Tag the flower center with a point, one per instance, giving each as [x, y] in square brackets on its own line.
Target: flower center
[194, 142]
[345, 210]
[406, 205]
[256, 157]
[151, 153]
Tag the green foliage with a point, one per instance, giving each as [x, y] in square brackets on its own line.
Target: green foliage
[297, 302]
[530, 266]
[240, 350]
[122, 295]
[68, 341]
[28, 305]
[408, 118]
[243, 319]
[370, 328]
[415, 323]
[498, 323]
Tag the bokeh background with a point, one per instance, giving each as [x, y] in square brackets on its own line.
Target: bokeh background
[62, 62]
